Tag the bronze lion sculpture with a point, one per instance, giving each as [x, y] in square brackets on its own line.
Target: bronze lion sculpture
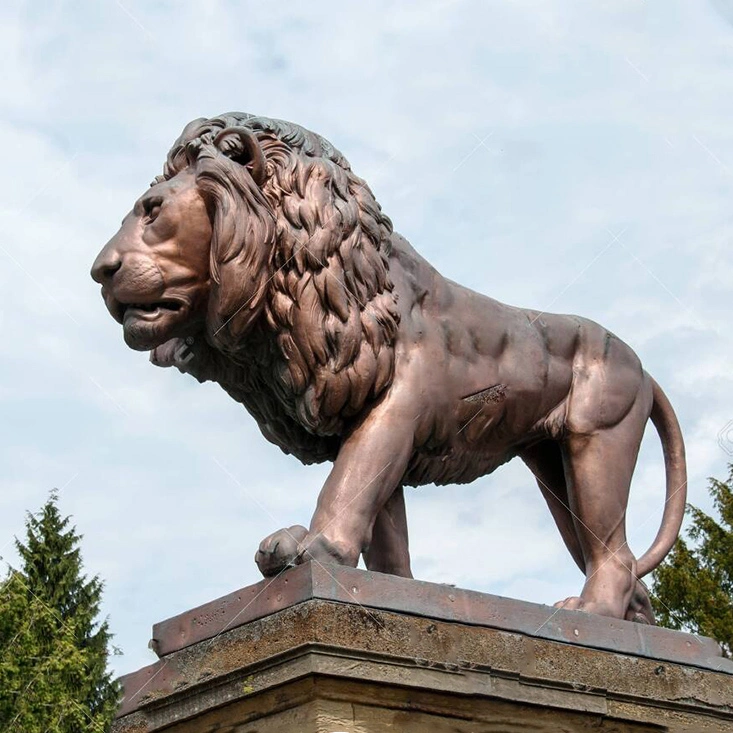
[259, 260]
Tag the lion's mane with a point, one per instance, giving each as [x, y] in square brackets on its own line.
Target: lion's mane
[302, 314]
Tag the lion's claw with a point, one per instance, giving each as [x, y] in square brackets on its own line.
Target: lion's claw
[639, 610]
[280, 550]
[573, 603]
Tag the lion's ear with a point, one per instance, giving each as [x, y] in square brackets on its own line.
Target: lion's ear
[243, 147]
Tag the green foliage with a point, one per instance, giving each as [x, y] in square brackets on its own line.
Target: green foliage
[693, 588]
[53, 651]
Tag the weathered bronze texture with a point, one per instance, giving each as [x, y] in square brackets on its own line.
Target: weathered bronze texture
[259, 260]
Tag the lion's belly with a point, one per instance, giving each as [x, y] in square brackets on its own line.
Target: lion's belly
[473, 441]
[455, 467]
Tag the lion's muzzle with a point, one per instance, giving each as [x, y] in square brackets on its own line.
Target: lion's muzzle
[106, 265]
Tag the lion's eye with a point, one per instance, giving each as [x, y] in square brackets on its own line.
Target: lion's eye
[152, 209]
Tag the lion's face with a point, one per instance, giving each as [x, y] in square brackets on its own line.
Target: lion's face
[259, 238]
[155, 271]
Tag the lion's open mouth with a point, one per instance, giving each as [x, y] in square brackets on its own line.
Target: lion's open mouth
[147, 325]
[146, 311]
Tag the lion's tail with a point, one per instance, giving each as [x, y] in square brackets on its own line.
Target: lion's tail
[673, 447]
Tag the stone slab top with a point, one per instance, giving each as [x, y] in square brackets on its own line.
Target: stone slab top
[370, 590]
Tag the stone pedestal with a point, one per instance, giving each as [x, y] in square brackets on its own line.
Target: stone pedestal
[326, 649]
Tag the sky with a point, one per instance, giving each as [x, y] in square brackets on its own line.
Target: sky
[564, 156]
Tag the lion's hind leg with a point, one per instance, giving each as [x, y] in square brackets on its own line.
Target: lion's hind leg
[640, 608]
[545, 461]
[389, 550]
[599, 464]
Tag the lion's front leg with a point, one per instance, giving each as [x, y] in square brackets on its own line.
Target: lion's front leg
[368, 469]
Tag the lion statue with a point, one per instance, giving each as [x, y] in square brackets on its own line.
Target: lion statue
[260, 261]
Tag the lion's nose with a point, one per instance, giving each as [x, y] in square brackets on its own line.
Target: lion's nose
[105, 267]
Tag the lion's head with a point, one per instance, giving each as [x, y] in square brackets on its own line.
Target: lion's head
[260, 242]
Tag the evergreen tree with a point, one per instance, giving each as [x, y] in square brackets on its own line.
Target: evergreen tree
[693, 588]
[53, 651]
[39, 665]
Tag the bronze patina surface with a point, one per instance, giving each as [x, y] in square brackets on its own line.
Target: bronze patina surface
[259, 260]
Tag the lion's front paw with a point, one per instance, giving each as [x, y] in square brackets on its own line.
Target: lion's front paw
[280, 550]
[295, 545]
